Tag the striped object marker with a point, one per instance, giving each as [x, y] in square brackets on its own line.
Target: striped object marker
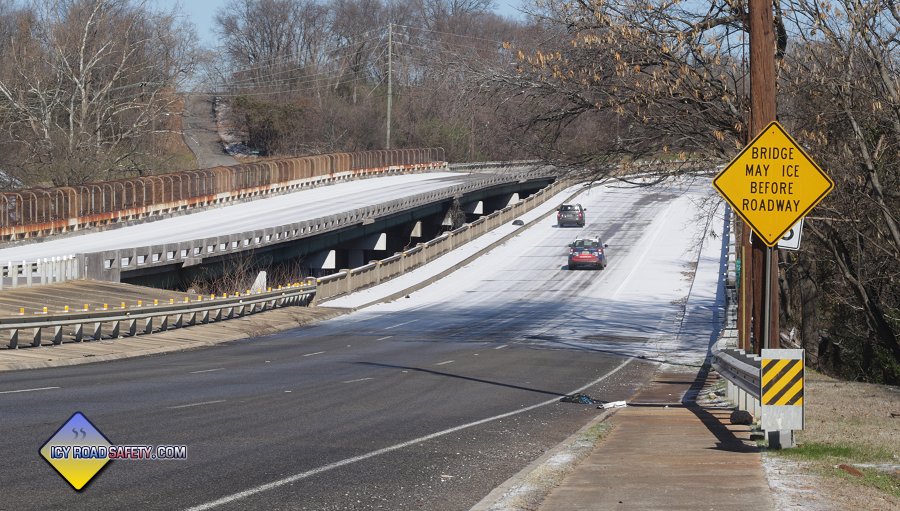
[782, 382]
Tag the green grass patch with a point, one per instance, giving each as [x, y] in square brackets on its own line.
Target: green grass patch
[825, 458]
[878, 479]
[838, 453]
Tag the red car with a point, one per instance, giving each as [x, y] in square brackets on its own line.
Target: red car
[587, 252]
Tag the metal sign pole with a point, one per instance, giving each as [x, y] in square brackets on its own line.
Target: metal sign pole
[767, 307]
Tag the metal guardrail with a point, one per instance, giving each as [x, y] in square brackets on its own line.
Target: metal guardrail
[740, 369]
[155, 318]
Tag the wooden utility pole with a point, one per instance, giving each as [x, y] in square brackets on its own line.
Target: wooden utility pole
[764, 269]
[390, 92]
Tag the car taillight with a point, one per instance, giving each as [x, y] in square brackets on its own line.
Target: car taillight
[579, 214]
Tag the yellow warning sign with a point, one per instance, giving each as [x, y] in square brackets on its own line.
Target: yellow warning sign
[772, 184]
[782, 382]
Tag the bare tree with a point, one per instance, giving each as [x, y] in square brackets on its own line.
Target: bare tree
[841, 83]
[87, 81]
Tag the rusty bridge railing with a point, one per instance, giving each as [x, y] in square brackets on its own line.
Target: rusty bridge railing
[42, 211]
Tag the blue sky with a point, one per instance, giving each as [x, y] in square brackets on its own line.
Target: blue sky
[202, 14]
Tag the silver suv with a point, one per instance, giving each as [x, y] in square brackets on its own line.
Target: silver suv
[570, 214]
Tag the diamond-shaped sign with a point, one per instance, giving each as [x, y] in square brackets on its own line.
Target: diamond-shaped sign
[78, 451]
[772, 184]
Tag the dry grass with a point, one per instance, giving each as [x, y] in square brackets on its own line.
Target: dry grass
[851, 414]
[850, 423]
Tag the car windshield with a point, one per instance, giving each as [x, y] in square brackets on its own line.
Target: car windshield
[586, 244]
[567, 208]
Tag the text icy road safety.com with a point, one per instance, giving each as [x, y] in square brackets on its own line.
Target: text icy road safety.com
[119, 452]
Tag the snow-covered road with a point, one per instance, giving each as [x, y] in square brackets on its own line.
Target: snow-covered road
[659, 298]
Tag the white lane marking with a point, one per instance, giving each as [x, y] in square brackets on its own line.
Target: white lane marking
[207, 370]
[383, 338]
[502, 346]
[400, 324]
[316, 353]
[27, 390]
[347, 461]
[444, 362]
[196, 404]
[360, 379]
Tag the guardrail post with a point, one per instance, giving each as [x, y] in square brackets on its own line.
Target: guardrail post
[97, 333]
[78, 336]
[116, 328]
[14, 338]
[179, 320]
[148, 326]
[36, 339]
[132, 327]
[57, 335]
[204, 317]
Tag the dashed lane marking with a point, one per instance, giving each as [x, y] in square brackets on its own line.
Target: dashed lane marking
[360, 379]
[196, 404]
[207, 370]
[27, 390]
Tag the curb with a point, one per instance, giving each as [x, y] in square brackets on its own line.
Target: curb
[517, 486]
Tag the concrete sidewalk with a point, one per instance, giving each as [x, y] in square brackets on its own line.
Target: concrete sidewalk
[665, 451]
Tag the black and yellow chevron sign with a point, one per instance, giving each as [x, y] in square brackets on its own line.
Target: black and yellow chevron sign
[782, 382]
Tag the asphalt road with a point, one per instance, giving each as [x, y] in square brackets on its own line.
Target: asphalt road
[422, 406]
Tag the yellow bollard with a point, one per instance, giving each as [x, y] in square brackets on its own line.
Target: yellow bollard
[45, 310]
[105, 306]
[123, 305]
[155, 301]
[140, 303]
[171, 301]
[21, 311]
[186, 299]
[86, 307]
[200, 298]
[66, 308]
